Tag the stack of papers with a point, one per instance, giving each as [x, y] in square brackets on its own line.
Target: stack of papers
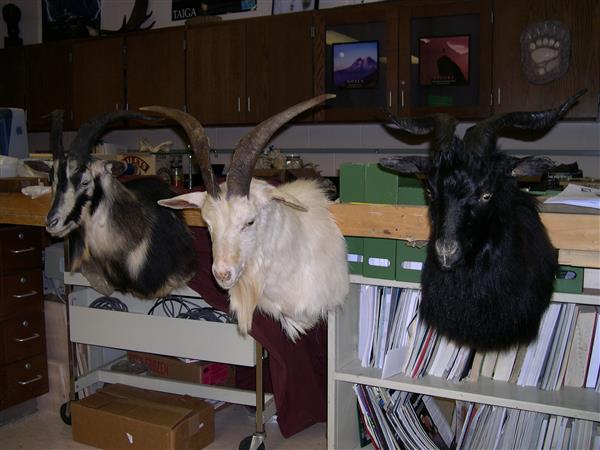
[577, 195]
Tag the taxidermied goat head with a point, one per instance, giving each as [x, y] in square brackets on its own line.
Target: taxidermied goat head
[468, 179]
[74, 173]
[231, 214]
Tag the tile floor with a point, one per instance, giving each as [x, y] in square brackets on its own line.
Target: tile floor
[45, 430]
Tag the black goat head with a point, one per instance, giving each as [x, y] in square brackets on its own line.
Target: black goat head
[468, 180]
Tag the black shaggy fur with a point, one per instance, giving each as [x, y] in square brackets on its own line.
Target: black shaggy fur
[491, 292]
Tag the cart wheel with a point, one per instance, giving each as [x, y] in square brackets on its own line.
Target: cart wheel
[65, 413]
[247, 443]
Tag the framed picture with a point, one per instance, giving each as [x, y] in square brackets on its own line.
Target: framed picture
[187, 9]
[288, 6]
[356, 65]
[444, 60]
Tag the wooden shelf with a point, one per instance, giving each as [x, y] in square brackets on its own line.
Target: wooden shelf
[577, 236]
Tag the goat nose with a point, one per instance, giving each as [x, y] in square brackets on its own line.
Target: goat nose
[446, 247]
[51, 222]
[223, 275]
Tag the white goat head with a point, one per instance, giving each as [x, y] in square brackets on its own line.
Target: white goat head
[262, 235]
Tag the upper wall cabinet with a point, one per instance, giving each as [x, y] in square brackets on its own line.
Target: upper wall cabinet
[49, 83]
[12, 77]
[553, 75]
[98, 77]
[155, 68]
[244, 71]
[356, 58]
[450, 58]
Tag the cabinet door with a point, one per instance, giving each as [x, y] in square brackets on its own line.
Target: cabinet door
[12, 77]
[48, 84]
[98, 78]
[215, 82]
[278, 64]
[155, 69]
[356, 58]
[450, 56]
[512, 90]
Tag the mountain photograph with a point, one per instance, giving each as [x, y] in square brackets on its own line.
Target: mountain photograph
[355, 65]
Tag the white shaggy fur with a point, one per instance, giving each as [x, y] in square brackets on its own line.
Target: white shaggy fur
[282, 249]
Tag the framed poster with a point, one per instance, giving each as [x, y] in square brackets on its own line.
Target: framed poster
[444, 60]
[187, 9]
[356, 65]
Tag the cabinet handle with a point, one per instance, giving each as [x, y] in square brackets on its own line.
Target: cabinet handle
[33, 380]
[239, 104]
[499, 98]
[402, 98]
[30, 338]
[390, 98]
[29, 294]
[248, 103]
[22, 250]
[116, 106]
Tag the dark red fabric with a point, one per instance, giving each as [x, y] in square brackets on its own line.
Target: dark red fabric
[298, 370]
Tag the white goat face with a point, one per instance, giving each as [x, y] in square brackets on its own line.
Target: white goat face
[236, 225]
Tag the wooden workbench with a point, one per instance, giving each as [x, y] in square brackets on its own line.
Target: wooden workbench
[576, 235]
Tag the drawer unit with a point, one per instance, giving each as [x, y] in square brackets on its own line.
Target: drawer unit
[20, 248]
[23, 336]
[23, 365]
[26, 379]
[20, 289]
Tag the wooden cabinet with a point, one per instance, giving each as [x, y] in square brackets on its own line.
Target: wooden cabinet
[444, 24]
[98, 77]
[23, 365]
[155, 68]
[216, 70]
[512, 91]
[337, 32]
[12, 77]
[48, 84]
[245, 71]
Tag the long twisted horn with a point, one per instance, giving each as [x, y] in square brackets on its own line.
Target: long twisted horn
[249, 147]
[199, 142]
[89, 133]
[442, 126]
[56, 133]
[485, 133]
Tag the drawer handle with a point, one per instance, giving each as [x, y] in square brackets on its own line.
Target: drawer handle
[23, 250]
[34, 336]
[33, 380]
[29, 294]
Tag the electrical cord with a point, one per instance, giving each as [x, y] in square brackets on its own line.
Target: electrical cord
[110, 303]
[176, 306]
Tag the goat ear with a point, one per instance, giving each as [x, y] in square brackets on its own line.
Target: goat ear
[287, 200]
[185, 201]
[114, 168]
[405, 164]
[531, 165]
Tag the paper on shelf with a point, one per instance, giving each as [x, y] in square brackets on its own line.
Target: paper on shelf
[578, 195]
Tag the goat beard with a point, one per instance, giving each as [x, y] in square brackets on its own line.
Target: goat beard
[243, 300]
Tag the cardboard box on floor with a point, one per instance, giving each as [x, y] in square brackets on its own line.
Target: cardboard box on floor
[124, 417]
[201, 372]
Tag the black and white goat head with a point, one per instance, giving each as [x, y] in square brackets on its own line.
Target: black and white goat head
[123, 240]
[277, 249]
[490, 266]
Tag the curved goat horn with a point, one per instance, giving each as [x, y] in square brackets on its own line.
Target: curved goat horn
[197, 138]
[442, 125]
[249, 147]
[89, 133]
[485, 133]
[56, 133]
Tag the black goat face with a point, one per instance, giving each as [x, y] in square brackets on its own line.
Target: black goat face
[461, 193]
[77, 190]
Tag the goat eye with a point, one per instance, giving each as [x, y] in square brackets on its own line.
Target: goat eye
[486, 196]
[249, 224]
[85, 182]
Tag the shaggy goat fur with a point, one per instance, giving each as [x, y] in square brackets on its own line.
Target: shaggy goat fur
[490, 267]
